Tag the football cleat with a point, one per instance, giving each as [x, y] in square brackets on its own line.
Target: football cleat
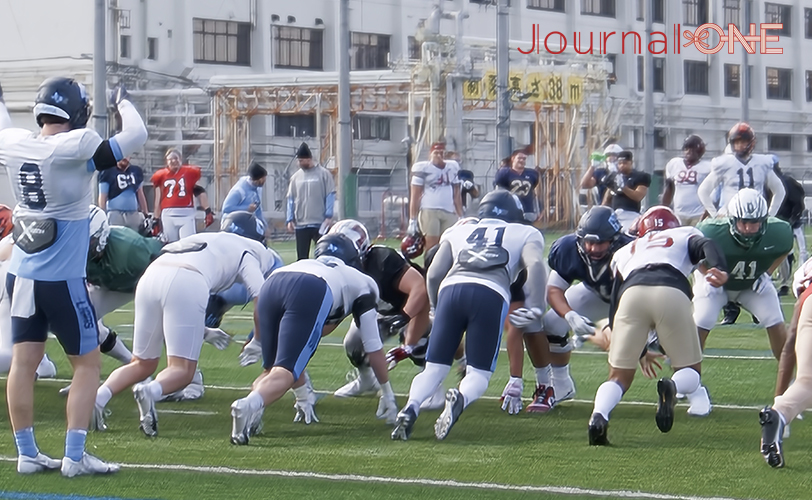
[543, 400]
[564, 389]
[146, 410]
[666, 401]
[97, 422]
[700, 403]
[598, 427]
[363, 383]
[731, 310]
[30, 465]
[436, 401]
[403, 424]
[87, 465]
[454, 404]
[772, 429]
[191, 392]
[240, 419]
[255, 426]
[46, 368]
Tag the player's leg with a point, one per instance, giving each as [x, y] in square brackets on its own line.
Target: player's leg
[115, 218]
[188, 225]
[766, 306]
[515, 351]
[105, 302]
[800, 239]
[708, 301]
[303, 237]
[170, 225]
[429, 221]
[364, 381]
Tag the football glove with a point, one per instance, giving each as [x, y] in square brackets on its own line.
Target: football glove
[251, 352]
[217, 337]
[387, 406]
[209, 217]
[391, 325]
[761, 283]
[528, 320]
[580, 325]
[304, 406]
[119, 94]
[398, 354]
[412, 230]
[512, 396]
[467, 185]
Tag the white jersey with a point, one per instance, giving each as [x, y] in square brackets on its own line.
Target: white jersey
[658, 247]
[686, 183]
[470, 240]
[438, 184]
[346, 283]
[734, 175]
[222, 259]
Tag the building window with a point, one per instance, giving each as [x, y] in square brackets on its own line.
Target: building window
[659, 138]
[657, 7]
[696, 77]
[808, 23]
[298, 47]
[554, 5]
[780, 14]
[222, 42]
[779, 84]
[732, 13]
[659, 74]
[370, 128]
[415, 49]
[732, 80]
[809, 86]
[152, 49]
[809, 144]
[695, 12]
[611, 74]
[124, 47]
[779, 142]
[370, 51]
[295, 125]
[598, 7]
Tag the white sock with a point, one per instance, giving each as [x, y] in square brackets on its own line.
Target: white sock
[561, 373]
[155, 390]
[687, 380]
[425, 383]
[474, 384]
[103, 396]
[120, 352]
[544, 376]
[255, 401]
[607, 397]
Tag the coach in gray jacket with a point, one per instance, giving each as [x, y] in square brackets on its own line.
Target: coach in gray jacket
[311, 196]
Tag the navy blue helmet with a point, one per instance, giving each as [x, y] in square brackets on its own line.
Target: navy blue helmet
[65, 98]
[598, 225]
[339, 246]
[501, 204]
[245, 224]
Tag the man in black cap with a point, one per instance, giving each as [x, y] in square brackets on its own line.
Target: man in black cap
[246, 194]
[626, 189]
[311, 196]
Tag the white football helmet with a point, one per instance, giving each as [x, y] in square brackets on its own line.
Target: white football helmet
[99, 231]
[612, 149]
[355, 231]
[747, 205]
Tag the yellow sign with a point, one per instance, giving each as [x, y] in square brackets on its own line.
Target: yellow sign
[472, 89]
[536, 87]
[575, 90]
[555, 89]
[515, 84]
[489, 82]
[545, 88]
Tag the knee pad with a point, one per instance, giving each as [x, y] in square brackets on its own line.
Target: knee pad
[559, 344]
[355, 351]
[108, 343]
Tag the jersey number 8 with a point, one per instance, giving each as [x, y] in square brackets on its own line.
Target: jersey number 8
[31, 186]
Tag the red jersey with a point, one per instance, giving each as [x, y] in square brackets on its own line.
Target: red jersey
[177, 189]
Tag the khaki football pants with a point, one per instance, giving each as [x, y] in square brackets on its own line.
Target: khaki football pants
[799, 395]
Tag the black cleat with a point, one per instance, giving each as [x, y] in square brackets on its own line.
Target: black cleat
[772, 431]
[666, 401]
[454, 404]
[404, 424]
[598, 427]
[732, 311]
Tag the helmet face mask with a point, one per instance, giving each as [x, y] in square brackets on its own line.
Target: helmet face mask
[693, 148]
[746, 210]
[742, 140]
[99, 232]
[596, 238]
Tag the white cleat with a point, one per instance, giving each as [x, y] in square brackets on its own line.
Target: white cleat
[30, 465]
[364, 383]
[87, 465]
[46, 368]
[700, 403]
[146, 409]
[241, 418]
[65, 391]
[436, 401]
[191, 392]
[255, 425]
[97, 422]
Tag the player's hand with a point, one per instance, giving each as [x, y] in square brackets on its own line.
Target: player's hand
[392, 324]
[528, 320]
[156, 227]
[620, 182]
[251, 352]
[290, 227]
[761, 283]
[467, 185]
[413, 229]
[650, 363]
[217, 337]
[801, 278]
[209, 217]
[119, 94]
[252, 207]
[715, 277]
[580, 325]
[398, 354]
[512, 396]
[387, 408]
[305, 409]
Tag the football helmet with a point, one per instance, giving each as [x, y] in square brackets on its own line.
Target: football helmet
[99, 232]
[355, 231]
[744, 132]
[694, 148]
[65, 98]
[412, 245]
[245, 224]
[612, 149]
[6, 222]
[598, 225]
[657, 218]
[501, 204]
[749, 206]
[340, 247]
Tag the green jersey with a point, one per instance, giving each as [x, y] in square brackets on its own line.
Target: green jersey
[745, 265]
[125, 259]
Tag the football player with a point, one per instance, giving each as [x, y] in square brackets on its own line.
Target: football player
[175, 190]
[742, 169]
[51, 174]
[170, 307]
[468, 283]
[683, 175]
[651, 291]
[754, 246]
[297, 305]
[626, 189]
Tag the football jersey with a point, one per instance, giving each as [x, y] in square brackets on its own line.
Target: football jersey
[746, 265]
[686, 182]
[438, 184]
[177, 188]
[567, 261]
[124, 260]
[668, 247]
[121, 187]
[735, 175]
[386, 266]
[348, 285]
[222, 259]
[521, 184]
[471, 239]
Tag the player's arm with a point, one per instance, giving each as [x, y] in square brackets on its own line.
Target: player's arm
[103, 190]
[536, 285]
[556, 287]
[588, 181]
[776, 187]
[142, 200]
[607, 198]
[636, 194]
[157, 202]
[777, 262]
[440, 265]
[786, 365]
[5, 118]
[705, 193]
[457, 199]
[668, 192]
[417, 305]
[132, 137]
[705, 249]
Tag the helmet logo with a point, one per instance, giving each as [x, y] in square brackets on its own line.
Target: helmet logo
[332, 248]
[57, 97]
[498, 211]
[614, 222]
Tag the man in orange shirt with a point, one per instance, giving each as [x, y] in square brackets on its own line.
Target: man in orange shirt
[175, 189]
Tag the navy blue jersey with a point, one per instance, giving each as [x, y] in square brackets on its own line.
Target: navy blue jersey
[522, 185]
[567, 261]
[119, 182]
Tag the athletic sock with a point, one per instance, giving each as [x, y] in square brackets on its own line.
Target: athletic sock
[103, 396]
[686, 380]
[75, 444]
[474, 385]
[155, 390]
[607, 397]
[26, 444]
[544, 376]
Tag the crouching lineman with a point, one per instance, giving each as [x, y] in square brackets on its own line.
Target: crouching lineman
[297, 305]
[403, 305]
[651, 291]
[170, 307]
[468, 282]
